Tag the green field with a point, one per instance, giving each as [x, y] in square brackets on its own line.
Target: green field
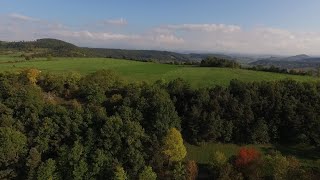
[143, 71]
[306, 154]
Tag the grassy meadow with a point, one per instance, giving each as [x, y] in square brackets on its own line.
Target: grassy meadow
[306, 154]
[145, 71]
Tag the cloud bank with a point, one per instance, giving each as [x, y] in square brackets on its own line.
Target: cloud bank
[175, 37]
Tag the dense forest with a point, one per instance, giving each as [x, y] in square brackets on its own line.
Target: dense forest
[99, 126]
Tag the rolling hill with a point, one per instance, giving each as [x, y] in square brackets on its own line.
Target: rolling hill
[292, 62]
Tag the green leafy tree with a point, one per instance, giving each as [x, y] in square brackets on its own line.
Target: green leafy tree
[276, 166]
[73, 161]
[295, 169]
[77, 160]
[12, 148]
[101, 164]
[217, 160]
[179, 171]
[120, 174]
[160, 110]
[260, 133]
[123, 139]
[47, 170]
[147, 174]
[33, 161]
[93, 87]
[228, 172]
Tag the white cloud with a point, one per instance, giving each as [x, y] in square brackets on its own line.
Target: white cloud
[99, 36]
[168, 39]
[120, 21]
[22, 17]
[197, 37]
[205, 27]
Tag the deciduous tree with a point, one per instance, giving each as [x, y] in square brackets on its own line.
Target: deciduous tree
[120, 174]
[246, 156]
[192, 170]
[12, 148]
[147, 174]
[173, 146]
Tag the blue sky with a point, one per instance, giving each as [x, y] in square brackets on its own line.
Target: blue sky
[244, 26]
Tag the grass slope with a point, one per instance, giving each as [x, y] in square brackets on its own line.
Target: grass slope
[142, 71]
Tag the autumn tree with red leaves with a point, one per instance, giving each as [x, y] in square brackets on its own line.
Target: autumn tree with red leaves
[249, 163]
[246, 156]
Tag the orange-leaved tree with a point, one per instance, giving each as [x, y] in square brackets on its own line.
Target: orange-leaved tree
[192, 170]
[31, 75]
[248, 161]
[246, 156]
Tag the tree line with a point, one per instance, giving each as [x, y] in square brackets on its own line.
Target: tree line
[68, 126]
[213, 61]
[275, 69]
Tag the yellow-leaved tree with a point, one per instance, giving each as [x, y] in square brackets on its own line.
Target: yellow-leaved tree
[31, 75]
[173, 146]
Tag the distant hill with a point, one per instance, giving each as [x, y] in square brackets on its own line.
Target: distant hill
[296, 58]
[52, 43]
[58, 48]
[292, 62]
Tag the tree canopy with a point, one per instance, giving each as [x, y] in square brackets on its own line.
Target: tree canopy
[69, 126]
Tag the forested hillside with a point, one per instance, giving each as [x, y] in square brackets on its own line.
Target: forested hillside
[58, 48]
[67, 126]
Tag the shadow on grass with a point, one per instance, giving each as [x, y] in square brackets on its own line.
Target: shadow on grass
[300, 151]
[204, 172]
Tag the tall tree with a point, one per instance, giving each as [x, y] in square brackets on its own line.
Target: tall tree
[47, 170]
[173, 146]
[12, 148]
